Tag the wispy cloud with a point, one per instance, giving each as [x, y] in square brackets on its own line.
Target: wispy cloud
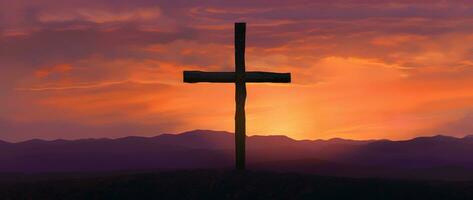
[87, 85]
[366, 68]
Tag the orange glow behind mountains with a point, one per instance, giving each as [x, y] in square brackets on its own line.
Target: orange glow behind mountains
[360, 70]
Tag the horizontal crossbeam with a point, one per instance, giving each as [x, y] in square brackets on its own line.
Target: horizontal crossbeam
[229, 77]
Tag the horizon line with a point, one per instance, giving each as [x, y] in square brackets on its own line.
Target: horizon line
[194, 130]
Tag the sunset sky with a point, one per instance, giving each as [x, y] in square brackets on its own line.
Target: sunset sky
[361, 69]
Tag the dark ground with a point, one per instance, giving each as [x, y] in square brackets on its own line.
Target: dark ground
[215, 184]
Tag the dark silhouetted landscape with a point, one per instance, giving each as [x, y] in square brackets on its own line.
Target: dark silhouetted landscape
[217, 184]
[200, 164]
[435, 158]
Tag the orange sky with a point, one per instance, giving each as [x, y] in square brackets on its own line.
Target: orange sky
[361, 69]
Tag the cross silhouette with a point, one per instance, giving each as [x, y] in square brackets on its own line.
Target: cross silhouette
[240, 77]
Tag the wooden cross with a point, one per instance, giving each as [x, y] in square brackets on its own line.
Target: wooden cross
[240, 78]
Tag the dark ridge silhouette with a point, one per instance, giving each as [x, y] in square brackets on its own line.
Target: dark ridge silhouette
[421, 152]
[468, 137]
[437, 157]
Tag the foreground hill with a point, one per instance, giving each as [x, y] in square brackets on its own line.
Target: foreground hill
[437, 157]
[205, 184]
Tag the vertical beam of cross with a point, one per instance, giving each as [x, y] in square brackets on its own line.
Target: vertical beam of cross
[240, 77]
[240, 95]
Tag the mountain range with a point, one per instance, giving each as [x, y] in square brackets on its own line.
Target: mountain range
[436, 157]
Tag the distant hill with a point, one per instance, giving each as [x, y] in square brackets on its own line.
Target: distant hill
[437, 157]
